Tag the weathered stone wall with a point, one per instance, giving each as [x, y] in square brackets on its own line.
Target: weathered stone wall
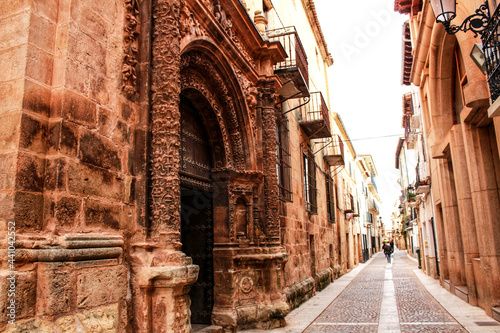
[67, 133]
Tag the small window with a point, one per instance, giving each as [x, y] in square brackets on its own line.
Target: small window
[310, 182]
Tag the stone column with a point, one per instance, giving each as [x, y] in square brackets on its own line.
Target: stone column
[163, 275]
[266, 103]
[165, 124]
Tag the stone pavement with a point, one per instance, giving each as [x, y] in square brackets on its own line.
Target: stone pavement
[381, 297]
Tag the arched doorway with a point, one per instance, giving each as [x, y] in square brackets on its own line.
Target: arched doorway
[197, 208]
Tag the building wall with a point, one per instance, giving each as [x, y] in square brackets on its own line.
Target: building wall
[464, 160]
[67, 134]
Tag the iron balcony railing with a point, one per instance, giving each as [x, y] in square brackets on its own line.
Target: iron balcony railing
[333, 150]
[491, 48]
[297, 58]
[314, 117]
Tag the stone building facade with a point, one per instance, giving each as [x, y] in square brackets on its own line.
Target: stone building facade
[141, 166]
[461, 135]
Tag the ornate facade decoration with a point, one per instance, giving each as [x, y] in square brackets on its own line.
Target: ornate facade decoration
[227, 25]
[130, 49]
[250, 92]
[165, 118]
[189, 25]
[267, 99]
[228, 118]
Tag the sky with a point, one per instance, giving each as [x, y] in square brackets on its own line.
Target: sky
[365, 40]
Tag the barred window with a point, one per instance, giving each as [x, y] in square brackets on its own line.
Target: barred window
[283, 165]
[310, 182]
[330, 198]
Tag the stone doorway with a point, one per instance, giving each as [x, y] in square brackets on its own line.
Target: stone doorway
[197, 235]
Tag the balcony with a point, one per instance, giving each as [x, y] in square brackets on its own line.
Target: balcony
[491, 47]
[334, 151]
[314, 117]
[373, 207]
[423, 186]
[293, 72]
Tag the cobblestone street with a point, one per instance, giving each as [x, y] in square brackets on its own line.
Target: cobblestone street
[381, 297]
[386, 298]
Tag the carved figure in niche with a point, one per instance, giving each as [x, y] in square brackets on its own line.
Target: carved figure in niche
[240, 218]
[189, 25]
[223, 19]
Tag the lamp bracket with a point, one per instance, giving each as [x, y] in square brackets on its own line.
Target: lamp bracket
[476, 22]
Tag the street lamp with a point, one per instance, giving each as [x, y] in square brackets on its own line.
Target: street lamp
[446, 10]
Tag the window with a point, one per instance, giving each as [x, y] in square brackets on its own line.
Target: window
[330, 198]
[283, 168]
[310, 182]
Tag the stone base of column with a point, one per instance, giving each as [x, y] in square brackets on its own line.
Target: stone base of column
[162, 302]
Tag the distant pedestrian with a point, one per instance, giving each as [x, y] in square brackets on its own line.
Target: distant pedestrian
[387, 251]
[392, 244]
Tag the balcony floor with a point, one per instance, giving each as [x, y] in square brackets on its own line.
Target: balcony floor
[315, 129]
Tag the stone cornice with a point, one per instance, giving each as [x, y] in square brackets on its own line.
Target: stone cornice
[312, 15]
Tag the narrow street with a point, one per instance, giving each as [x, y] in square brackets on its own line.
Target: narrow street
[381, 297]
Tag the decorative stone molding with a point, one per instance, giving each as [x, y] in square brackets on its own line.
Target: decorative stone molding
[73, 247]
[130, 49]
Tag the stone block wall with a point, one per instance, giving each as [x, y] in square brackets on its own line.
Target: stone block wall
[297, 226]
[67, 162]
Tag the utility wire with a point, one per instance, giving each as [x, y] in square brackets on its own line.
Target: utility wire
[376, 137]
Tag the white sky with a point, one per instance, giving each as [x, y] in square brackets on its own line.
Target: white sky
[365, 40]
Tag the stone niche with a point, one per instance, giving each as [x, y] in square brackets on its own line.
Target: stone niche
[70, 283]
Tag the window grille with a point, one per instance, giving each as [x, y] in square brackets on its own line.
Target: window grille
[283, 164]
[330, 198]
[310, 182]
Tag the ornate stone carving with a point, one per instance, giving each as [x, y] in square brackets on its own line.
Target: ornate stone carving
[190, 80]
[250, 92]
[213, 81]
[266, 102]
[246, 284]
[227, 25]
[130, 49]
[165, 119]
[189, 25]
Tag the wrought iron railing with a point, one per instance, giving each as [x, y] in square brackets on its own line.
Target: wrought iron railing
[333, 146]
[290, 40]
[491, 48]
[316, 109]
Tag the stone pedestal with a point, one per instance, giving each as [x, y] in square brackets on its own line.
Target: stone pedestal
[164, 298]
[249, 288]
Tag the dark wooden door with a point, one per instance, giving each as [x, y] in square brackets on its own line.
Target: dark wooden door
[196, 209]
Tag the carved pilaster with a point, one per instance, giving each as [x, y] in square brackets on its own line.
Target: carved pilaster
[266, 103]
[165, 122]
[130, 49]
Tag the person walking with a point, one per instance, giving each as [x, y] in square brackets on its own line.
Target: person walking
[387, 251]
